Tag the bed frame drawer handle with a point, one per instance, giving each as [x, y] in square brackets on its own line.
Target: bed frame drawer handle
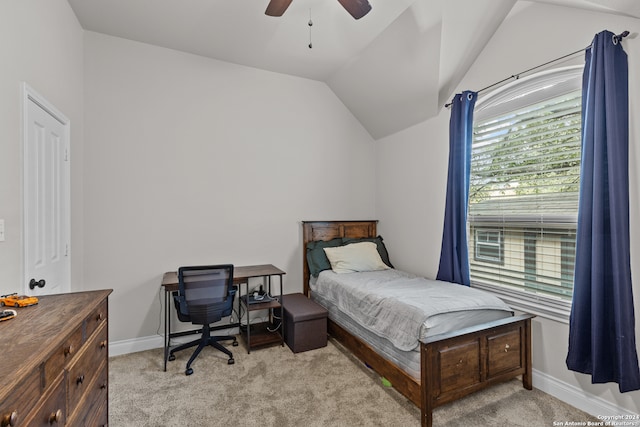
[506, 348]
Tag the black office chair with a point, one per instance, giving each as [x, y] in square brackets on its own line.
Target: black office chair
[205, 295]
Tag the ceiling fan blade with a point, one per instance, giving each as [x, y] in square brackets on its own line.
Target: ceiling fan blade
[357, 8]
[277, 7]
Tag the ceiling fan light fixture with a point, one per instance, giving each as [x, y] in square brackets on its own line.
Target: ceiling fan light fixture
[310, 25]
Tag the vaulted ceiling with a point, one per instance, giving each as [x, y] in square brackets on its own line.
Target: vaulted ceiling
[393, 68]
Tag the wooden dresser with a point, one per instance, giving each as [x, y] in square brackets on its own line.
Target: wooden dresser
[54, 362]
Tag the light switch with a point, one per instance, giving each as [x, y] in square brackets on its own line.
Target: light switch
[1, 230]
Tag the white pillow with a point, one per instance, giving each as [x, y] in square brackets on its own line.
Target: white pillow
[355, 257]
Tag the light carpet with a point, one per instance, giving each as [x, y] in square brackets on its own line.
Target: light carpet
[275, 387]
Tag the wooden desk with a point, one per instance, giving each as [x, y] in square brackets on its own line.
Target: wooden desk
[241, 275]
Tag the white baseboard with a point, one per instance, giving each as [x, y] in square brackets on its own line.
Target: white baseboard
[576, 397]
[134, 345]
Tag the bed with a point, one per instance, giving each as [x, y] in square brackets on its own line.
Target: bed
[447, 364]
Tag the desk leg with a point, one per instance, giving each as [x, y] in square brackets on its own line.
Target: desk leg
[167, 329]
[248, 321]
[281, 312]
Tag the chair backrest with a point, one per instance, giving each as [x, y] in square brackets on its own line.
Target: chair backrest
[205, 292]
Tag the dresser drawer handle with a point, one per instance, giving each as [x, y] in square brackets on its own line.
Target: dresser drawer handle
[80, 379]
[506, 348]
[103, 385]
[55, 417]
[99, 317]
[9, 419]
[68, 350]
[103, 344]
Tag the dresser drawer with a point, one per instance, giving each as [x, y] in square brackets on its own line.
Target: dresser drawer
[61, 356]
[97, 347]
[91, 402]
[97, 417]
[52, 410]
[504, 352]
[21, 400]
[96, 319]
[84, 369]
[100, 416]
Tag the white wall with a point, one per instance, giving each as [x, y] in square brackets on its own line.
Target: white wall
[258, 151]
[40, 44]
[412, 167]
[190, 160]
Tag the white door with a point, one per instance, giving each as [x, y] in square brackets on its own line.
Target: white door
[46, 197]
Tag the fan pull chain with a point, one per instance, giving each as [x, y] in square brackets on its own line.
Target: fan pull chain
[310, 25]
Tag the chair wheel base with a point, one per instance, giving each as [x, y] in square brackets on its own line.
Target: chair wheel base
[188, 371]
[230, 362]
[171, 357]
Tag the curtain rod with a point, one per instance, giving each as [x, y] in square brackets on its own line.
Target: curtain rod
[517, 76]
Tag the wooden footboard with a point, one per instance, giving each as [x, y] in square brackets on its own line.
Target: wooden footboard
[453, 365]
[456, 364]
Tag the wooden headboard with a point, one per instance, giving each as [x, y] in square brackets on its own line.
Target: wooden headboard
[327, 230]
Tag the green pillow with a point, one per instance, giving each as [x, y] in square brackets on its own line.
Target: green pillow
[382, 249]
[316, 258]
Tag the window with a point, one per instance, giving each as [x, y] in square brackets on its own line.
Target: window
[488, 245]
[523, 195]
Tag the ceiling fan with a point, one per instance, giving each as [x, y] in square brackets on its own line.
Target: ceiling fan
[357, 8]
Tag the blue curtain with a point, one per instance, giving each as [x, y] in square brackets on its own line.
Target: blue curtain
[601, 335]
[454, 256]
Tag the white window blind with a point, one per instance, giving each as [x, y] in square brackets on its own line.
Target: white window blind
[523, 197]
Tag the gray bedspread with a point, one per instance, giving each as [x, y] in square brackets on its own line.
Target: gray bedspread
[397, 305]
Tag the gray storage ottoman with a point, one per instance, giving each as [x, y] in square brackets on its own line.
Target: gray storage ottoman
[305, 323]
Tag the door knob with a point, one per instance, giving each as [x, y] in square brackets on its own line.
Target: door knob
[40, 283]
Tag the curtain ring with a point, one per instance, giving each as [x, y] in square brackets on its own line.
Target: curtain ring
[469, 96]
[614, 39]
